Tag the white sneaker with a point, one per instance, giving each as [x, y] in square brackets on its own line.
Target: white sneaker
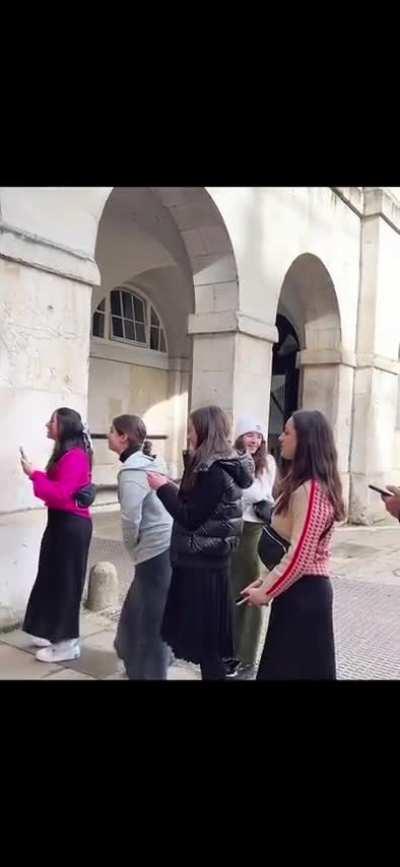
[59, 652]
[39, 642]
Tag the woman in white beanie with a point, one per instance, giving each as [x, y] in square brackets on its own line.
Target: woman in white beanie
[245, 563]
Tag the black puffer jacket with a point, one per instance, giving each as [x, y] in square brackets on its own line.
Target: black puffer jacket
[208, 518]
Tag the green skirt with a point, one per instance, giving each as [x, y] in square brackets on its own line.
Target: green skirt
[246, 566]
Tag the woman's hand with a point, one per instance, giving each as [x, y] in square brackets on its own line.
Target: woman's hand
[255, 593]
[156, 480]
[256, 596]
[392, 503]
[257, 583]
[27, 467]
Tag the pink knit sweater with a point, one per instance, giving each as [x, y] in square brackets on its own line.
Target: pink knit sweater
[308, 525]
[59, 486]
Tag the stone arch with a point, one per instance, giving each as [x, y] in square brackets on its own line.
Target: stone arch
[175, 228]
[172, 245]
[309, 299]
[207, 244]
[326, 371]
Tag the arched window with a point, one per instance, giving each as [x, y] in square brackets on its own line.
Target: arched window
[99, 318]
[132, 320]
[128, 317]
[157, 336]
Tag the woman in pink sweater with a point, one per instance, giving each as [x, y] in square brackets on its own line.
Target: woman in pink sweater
[52, 615]
[300, 643]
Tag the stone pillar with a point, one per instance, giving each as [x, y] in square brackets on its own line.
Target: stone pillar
[44, 339]
[373, 458]
[327, 379]
[178, 401]
[45, 316]
[232, 362]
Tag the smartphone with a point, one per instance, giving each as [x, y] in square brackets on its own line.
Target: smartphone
[380, 491]
[22, 453]
[240, 600]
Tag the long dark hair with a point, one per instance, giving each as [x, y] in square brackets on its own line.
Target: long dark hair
[315, 458]
[259, 457]
[70, 435]
[135, 429]
[213, 429]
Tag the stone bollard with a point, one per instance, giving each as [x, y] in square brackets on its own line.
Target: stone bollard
[103, 591]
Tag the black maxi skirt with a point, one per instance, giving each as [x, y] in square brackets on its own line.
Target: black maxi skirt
[138, 640]
[299, 644]
[197, 621]
[54, 603]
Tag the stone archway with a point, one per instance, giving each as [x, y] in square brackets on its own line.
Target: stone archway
[284, 395]
[171, 246]
[308, 294]
[326, 372]
[190, 229]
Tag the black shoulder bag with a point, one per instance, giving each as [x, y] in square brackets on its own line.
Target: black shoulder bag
[271, 547]
[86, 496]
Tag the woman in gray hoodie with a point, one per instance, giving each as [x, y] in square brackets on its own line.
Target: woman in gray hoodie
[146, 531]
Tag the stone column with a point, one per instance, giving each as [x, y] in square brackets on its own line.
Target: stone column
[232, 362]
[373, 458]
[178, 401]
[327, 378]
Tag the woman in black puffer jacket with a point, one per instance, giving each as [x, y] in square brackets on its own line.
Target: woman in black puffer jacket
[207, 528]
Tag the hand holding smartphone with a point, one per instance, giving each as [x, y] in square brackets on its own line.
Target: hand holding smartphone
[25, 463]
[240, 600]
[380, 491]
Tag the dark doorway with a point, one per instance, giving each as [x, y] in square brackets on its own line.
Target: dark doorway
[284, 381]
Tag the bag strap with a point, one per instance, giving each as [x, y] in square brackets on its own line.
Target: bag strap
[275, 536]
[326, 531]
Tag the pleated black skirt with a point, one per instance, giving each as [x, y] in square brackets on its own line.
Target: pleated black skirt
[197, 621]
[299, 644]
[54, 603]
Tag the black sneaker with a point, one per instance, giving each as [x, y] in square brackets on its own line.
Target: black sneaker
[231, 667]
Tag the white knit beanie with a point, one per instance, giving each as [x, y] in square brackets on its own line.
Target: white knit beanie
[249, 424]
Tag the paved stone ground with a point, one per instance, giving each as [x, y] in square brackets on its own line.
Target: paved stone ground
[367, 630]
[366, 568]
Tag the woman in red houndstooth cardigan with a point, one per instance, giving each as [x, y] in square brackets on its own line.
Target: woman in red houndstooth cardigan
[300, 643]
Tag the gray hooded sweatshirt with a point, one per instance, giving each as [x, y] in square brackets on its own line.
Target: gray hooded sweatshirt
[146, 524]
